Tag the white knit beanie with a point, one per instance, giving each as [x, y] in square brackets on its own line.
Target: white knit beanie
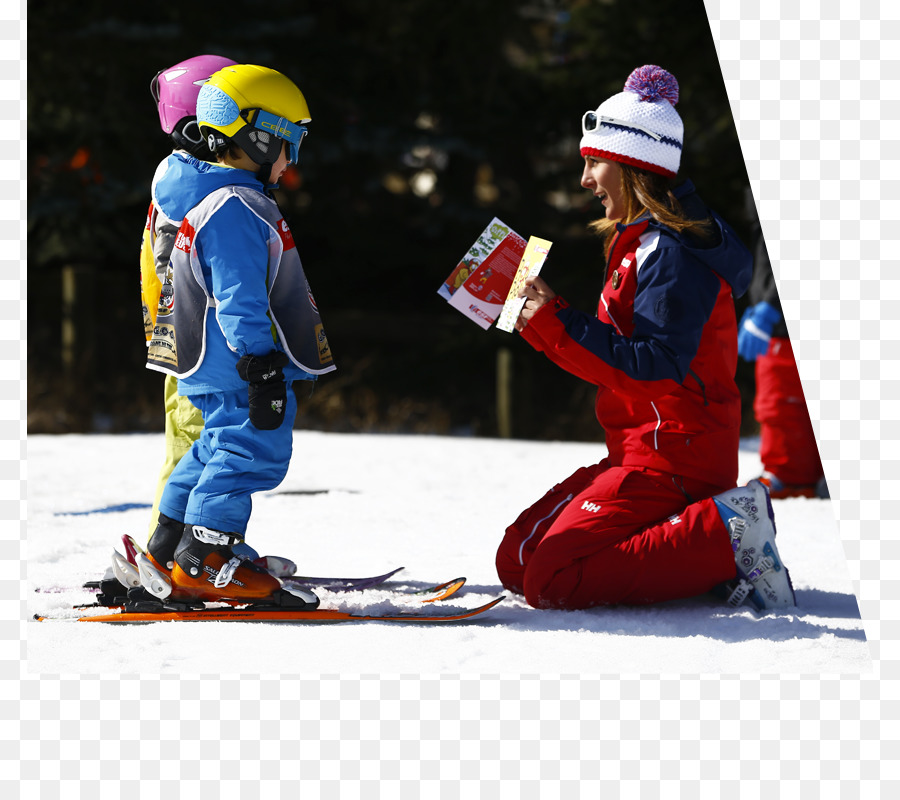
[639, 126]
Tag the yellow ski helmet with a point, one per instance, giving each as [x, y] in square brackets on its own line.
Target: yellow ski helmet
[257, 107]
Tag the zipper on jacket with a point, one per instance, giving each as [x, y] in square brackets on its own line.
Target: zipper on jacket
[612, 249]
[606, 271]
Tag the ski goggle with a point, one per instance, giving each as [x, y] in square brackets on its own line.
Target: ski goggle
[292, 132]
[191, 132]
[154, 86]
[591, 121]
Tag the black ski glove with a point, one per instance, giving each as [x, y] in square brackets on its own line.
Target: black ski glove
[267, 391]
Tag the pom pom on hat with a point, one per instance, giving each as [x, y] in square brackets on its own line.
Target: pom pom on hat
[639, 126]
[653, 83]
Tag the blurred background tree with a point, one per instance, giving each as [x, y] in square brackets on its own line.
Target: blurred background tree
[428, 120]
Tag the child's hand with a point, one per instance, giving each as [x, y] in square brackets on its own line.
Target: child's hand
[537, 293]
[267, 391]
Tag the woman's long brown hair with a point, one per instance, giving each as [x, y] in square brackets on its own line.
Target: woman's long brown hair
[650, 193]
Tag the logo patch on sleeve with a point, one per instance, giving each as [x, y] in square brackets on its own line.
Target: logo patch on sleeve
[668, 309]
[287, 238]
[185, 238]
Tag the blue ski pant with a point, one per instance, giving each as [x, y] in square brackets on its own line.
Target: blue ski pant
[213, 483]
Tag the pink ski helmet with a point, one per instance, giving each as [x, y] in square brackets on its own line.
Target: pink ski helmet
[175, 91]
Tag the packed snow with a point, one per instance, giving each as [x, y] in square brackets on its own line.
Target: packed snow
[355, 505]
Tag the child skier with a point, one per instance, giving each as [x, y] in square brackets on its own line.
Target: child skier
[788, 449]
[175, 92]
[236, 324]
[658, 519]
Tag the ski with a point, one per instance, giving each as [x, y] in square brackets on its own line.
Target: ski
[331, 584]
[111, 590]
[342, 584]
[263, 614]
[440, 592]
[111, 594]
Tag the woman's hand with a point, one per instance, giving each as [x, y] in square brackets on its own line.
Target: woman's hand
[537, 293]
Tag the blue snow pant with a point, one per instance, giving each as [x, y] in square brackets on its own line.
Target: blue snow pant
[212, 484]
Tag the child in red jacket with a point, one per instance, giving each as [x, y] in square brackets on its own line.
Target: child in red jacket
[788, 448]
[659, 518]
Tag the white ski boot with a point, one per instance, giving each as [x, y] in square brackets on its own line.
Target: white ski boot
[762, 577]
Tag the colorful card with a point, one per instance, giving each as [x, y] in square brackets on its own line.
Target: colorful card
[532, 261]
[479, 284]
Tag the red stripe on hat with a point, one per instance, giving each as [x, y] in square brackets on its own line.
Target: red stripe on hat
[633, 162]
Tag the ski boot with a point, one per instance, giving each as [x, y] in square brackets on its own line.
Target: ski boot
[144, 575]
[155, 565]
[762, 578]
[138, 569]
[167, 535]
[207, 569]
[779, 490]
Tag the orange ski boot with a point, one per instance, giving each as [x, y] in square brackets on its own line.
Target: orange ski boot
[206, 569]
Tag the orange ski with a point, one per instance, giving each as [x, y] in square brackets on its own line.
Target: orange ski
[251, 614]
[443, 590]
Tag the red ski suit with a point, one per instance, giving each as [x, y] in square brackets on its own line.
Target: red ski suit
[639, 527]
[788, 445]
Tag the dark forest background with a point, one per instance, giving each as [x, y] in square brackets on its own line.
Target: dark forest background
[429, 118]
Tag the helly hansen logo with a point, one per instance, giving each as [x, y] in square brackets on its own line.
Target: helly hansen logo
[675, 519]
[587, 505]
[185, 237]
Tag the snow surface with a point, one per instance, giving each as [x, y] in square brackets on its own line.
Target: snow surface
[355, 505]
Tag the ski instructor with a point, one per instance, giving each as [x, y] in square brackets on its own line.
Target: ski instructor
[660, 517]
